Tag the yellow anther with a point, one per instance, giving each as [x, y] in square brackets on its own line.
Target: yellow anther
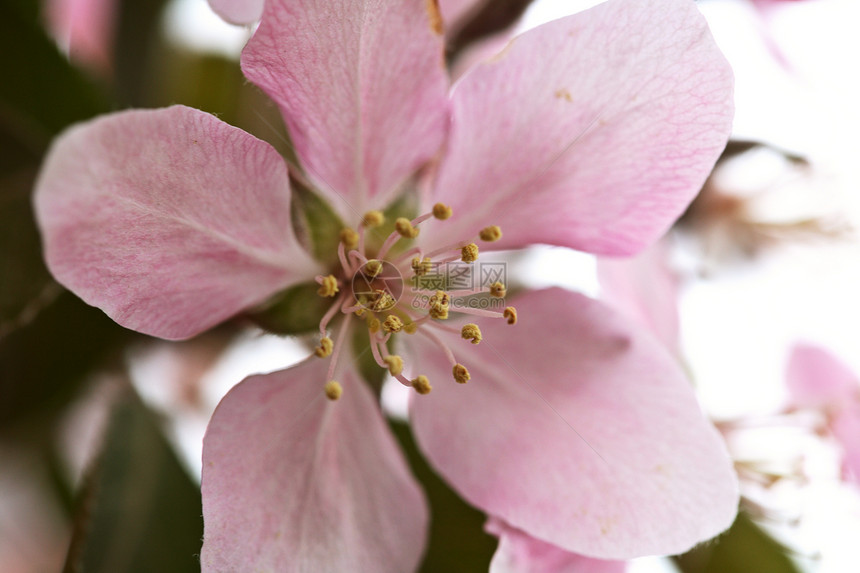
[442, 211]
[372, 268]
[471, 332]
[490, 234]
[511, 314]
[359, 312]
[373, 325]
[470, 253]
[461, 375]
[392, 324]
[498, 290]
[422, 267]
[328, 286]
[395, 364]
[325, 347]
[333, 390]
[439, 303]
[422, 385]
[373, 219]
[410, 328]
[381, 301]
[349, 238]
[404, 227]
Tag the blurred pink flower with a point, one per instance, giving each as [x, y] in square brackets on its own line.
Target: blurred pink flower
[84, 29]
[819, 380]
[592, 132]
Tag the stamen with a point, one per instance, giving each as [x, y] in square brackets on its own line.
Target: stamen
[344, 263]
[338, 346]
[405, 229]
[410, 328]
[439, 305]
[490, 234]
[373, 219]
[444, 347]
[381, 301]
[422, 267]
[333, 390]
[373, 325]
[328, 286]
[422, 385]
[498, 290]
[470, 253]
[325, 347]
[461, 374]
[442, 211]
[511, 314]
[471, 332]
[349, 238]
[392, 324]
[372, 268]
[395, 364]
[331, 312]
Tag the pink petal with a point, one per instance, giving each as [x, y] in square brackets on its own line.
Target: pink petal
[816, 378]
[646, 290]
[520, 553]
[169, 220]
[846, 429]
[362, 87]
[294, 482]
[578, 429]
[238, 11]
[593, 131]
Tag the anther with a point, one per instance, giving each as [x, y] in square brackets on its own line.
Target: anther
[328, 286]
[421, 267]
[405, 229]
[498, 290]
[471, 332]
[442, 211]
[461, 375]
[372, 268]
[333, 390]
[439, 305]
[410, 328]
[469, 253]
[381, 301]
[392, 324]
[373, 325]
[349, 238]
[395, 364]
[422, 385]
[325, 347]
[373, 219]
[511, 314]
[490, 234]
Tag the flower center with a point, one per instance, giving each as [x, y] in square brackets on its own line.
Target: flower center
[374, 290]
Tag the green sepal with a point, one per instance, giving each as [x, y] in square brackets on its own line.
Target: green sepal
[316, 224]
[297, 310]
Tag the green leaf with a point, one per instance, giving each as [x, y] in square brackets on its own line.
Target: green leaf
[41, 93]
[42, 362]
[139, 511]
[457, 538]
[745, 548]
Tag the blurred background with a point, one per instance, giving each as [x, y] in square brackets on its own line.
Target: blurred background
[755, 290]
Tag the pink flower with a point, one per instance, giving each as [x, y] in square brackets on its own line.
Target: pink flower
[578, 429]
[816, 379]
